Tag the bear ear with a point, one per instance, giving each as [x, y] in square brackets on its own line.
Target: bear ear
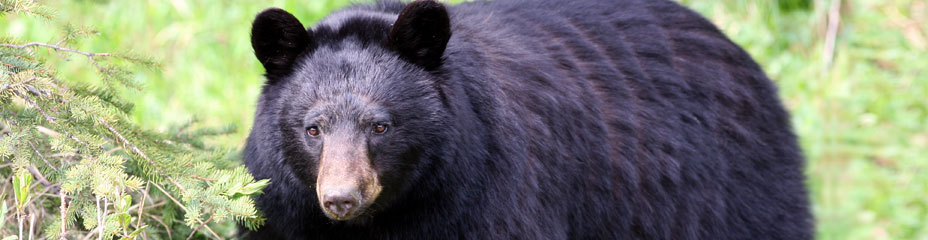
[278, 38]
[421, 33]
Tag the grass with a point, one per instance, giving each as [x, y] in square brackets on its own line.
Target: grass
[862, 119]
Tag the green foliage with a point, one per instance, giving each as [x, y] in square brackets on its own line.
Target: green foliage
[861, 120]
[25, 7]
[22, 180]
[77, 163]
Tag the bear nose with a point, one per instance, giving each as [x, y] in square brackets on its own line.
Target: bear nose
[340, 203]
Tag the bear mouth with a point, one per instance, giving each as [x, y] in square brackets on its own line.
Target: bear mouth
[354, 215]
[360, 217]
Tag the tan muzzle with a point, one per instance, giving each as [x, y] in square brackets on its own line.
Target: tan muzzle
[346, 183]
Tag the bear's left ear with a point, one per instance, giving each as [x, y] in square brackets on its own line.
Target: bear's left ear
[421, 33]
[278, 39]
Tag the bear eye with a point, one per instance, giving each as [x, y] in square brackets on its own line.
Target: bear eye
[380, 128]
[312, 131]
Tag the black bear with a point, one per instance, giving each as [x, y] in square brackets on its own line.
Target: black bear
[517, 119]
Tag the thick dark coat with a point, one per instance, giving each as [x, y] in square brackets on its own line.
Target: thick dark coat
[630, 119]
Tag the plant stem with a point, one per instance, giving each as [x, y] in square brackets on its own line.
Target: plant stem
[20, 216]
[63, 211]
[31, 225]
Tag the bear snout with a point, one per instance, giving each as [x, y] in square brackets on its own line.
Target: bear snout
[346, 183]
[341, 202]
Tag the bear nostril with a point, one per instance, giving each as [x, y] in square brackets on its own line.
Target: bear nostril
[347, 205]
[339, 204]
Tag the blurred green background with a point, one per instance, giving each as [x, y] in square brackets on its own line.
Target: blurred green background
[854, 74]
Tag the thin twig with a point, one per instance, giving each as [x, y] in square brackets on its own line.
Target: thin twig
[42, 156]
[115, 149]
[53, 133]
[36, 106]
[199, 227]
[63, 155]
[834, 22]
[90, 55]
[42, 180]
[31, 225]
[99, 219]
[63, 211]
[166, 227]
[47, 131]
[61, 41]
[142, 206]
[4, 87]
[20, 215]
[169, 196]
[201, 178]
[153, 205]
[90, 233]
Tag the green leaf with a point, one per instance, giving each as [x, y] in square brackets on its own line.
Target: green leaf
[123, 204]
[134, 234]
[255, 187]
[21, 182]
[124, 219]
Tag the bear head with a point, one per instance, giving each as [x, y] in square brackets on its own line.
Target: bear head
[356, 100]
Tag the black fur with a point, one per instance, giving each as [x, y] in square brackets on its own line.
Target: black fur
[631, 119]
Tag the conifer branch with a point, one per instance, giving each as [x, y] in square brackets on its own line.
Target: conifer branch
[210, 230]
[139, 152]
[57, 47]
[36, 106]
[45, 118]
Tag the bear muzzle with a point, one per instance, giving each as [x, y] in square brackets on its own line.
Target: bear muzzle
[346, 183]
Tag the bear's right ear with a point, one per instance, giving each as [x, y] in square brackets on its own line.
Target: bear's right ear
[278, 38]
